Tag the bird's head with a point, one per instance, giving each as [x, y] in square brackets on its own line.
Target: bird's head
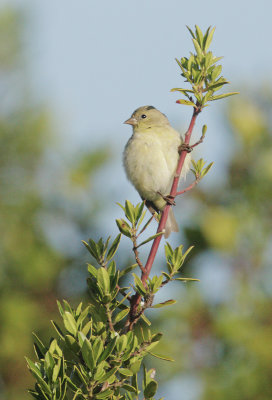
[146, 117]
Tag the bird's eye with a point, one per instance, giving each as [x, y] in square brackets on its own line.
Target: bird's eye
[143, 116]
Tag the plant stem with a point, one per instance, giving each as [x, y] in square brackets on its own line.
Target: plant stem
[173, 193]
[108, 313]
[135, 300]
[188, 187]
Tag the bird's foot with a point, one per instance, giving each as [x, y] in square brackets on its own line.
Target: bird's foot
[168, 198]
[185, 147]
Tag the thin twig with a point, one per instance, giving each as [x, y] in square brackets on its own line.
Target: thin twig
[198, 142]
[136, 253]
[108, 313]
[123, 293]
[188, 187]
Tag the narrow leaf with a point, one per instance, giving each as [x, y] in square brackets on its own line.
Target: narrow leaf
[149, 239]
[87, 353]
[186, 102]
[121, 315]
[127, 270]
[222, 96]
[161, 357]
[186, 279]
[103, 280]
[113, 247]
[209, 39]
[150, 389]
[165, 303]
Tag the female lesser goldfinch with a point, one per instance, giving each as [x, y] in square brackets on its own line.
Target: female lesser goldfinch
[150, 159]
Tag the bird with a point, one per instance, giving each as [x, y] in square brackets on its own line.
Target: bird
[150, 160]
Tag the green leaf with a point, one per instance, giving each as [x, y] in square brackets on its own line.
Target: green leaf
[191, 32]
[135, 367]
[37, 374]
[103, 280]
[208, 39]
[97, 348]
[186, 279]
[87, 353]
[93, 248]
[113, 248]
[188, 251]
[122, 314]
[216, 72]
[139, 285]
[56, 370]
[206, 170]
[121, 343]
[127, 270]
[87, 328]
[155, 283]
[106, 394]
[146, 320]
[149, 239]
[108, 375]
[186, 102]
[129, 388]
[108, 350]
[82, 317]
[124, 227]
[92, 270]
[167, 276]
[204, 130]
[198, 49]
[222, 96]
[199, 35]
[39, 344]
[33, 367]
[48, 364]
[70, 323]
[181, 90]
[61, 311]
[130, 211]
[139, 212]
[71, 343]
[217, 85]
[161, 357]
[125, 372]
[150, 389]
[216, 59]
[165, 303]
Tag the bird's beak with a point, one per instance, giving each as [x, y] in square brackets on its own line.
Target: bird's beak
[131, 121]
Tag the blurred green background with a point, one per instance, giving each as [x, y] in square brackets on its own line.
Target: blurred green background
[60, 176]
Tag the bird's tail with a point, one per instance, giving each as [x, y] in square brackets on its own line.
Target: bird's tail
[171, 224]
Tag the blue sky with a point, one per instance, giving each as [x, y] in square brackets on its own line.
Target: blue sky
[96, 61]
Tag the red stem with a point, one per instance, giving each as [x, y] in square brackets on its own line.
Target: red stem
[173, 193]
[188, 188]
[145, 274]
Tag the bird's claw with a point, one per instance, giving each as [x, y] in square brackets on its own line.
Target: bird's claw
[168, 198]
[185, 147]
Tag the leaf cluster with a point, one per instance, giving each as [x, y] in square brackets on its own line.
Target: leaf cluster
[198, 168]
[94, 355]
[202, 71]
[88, 361]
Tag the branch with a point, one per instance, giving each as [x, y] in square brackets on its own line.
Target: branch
[188, 187]
[108, 313]
[198, 142]
[136, 253]
[135, 300]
